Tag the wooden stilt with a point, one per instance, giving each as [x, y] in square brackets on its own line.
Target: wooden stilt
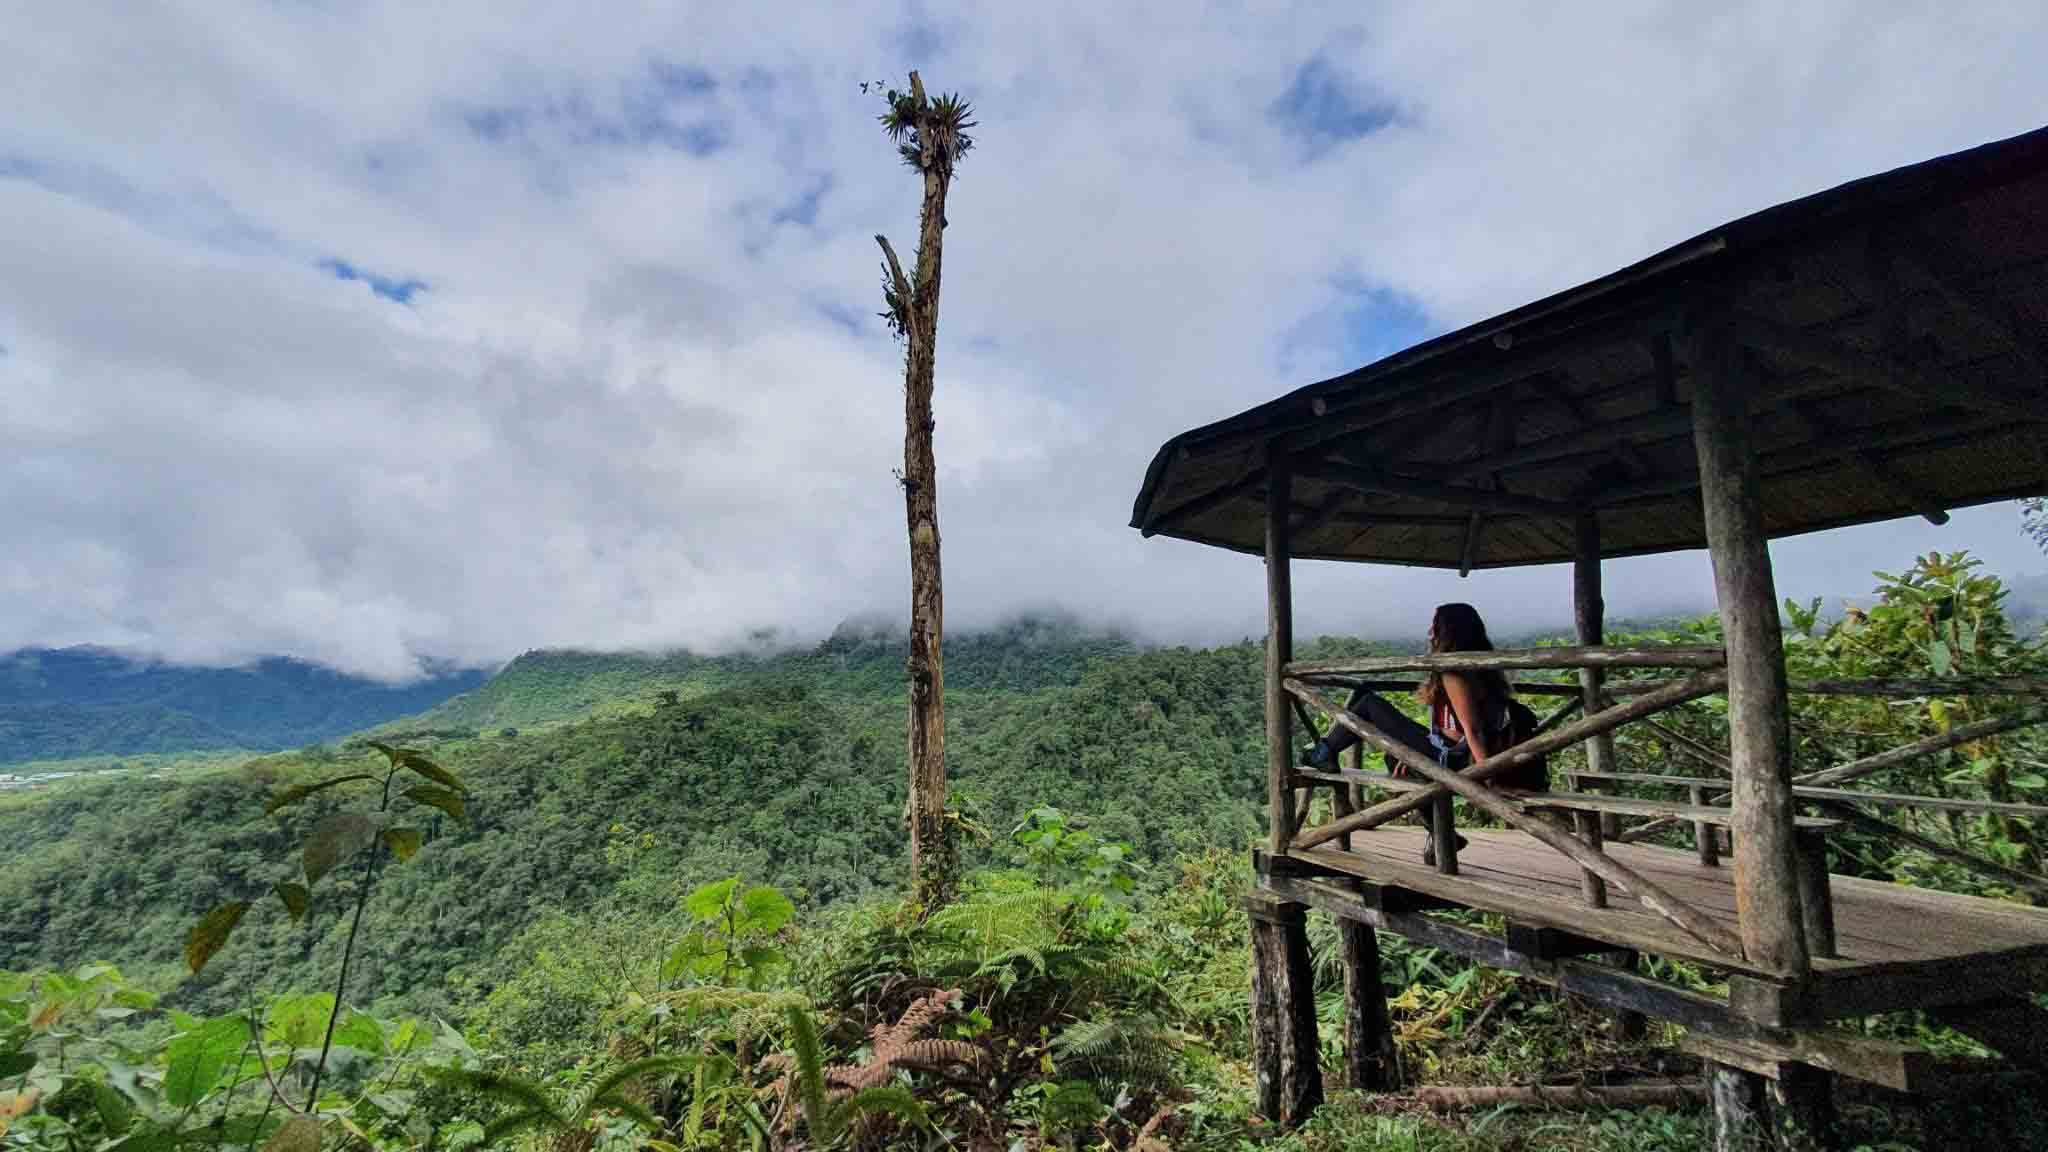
[1287, 1077]
[1760, 736]
[1443, 833]
[1739, 1117]
[1589, 613]
[1630, 1026]
[1279, 650]
[1802, 1103]
[1816, 895]
[1706, 840]
[1371, 1062]
[1595, 836]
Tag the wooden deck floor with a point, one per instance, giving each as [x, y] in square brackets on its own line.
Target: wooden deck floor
[1880, 927]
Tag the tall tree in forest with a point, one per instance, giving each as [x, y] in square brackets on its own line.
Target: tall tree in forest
[931, 136]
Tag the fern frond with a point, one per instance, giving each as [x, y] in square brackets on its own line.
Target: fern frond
[505, 1088]
[810, 1071]
[886, 1100]
[1138, 1047]
[606, 1088]
[718, 997]
[519, 1122]
[638, 1113]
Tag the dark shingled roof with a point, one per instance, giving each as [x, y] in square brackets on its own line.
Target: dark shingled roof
[1897, 326]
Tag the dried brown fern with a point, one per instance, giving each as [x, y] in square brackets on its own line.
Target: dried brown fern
[902, 1045]
[893, 1046]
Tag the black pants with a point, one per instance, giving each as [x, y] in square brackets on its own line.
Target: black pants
[1373, 708]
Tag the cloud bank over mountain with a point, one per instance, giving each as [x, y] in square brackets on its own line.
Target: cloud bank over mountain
[388, 332]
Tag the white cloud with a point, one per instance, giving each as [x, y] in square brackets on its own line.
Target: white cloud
[643, 398]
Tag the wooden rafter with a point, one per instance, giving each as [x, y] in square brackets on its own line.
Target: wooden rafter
[1500, 437]
[1937, 262]
[1829, 351]
[1212, 499]
[1418, 488]
[1835, 441]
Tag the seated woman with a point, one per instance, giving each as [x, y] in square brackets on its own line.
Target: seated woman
[1472, 715]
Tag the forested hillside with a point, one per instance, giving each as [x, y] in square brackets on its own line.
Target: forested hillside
[786, 767]
[69, 702]
[585, 907]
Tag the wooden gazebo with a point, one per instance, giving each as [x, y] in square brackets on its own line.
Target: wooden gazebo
[1875, 351]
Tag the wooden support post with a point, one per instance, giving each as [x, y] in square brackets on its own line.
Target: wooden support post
[1784, 1107]
[1286, 1073]
[1355, 789]
[1344, 801]
[1589, 613]
[1739, 1119]
[1595, 837]
[1816, 895]
[1802, 1101]
[1279, 651]
[1630, 1026]
[1706, 838]
[1371, 1061]
[1443, 835]
[1760, 735]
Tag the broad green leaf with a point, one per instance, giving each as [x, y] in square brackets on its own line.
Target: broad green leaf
[211, 932]
[360, 1032]
[763, 911]
[452, 1040]
[116, 1113]
[135, 998]
[299, 1134]
[707, 903]
[406, 1036]
[396, 1103]
[295, 897]
[403, 842]
[194, 1061]
[148, 1138]
[15, 1063]
[298, 1021]
[336, 839]
[688, 955]
[287, 797]
[434, 772]
[446, 800]
[419, 762]
[1939, 656]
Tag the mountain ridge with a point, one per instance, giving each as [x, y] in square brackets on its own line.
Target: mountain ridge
[61, 703]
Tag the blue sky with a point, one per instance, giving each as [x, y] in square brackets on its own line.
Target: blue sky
[381, 331]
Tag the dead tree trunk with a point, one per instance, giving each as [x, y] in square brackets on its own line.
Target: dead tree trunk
[931, 136]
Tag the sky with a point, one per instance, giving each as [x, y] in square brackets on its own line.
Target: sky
[375, 333]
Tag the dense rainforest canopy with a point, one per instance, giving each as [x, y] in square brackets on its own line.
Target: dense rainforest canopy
[696, 859]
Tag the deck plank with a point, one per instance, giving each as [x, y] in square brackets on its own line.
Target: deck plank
[1879, 925]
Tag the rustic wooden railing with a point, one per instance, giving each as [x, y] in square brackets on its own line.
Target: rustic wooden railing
[1625, 702]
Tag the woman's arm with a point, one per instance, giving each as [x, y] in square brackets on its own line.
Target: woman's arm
[1471, 721]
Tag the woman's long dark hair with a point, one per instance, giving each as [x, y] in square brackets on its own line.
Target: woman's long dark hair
[1458, 628]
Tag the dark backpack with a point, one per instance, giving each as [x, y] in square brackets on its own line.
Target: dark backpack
[1521, 725]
